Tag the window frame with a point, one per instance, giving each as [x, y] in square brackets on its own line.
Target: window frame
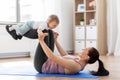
[17, 12]
[17, 15]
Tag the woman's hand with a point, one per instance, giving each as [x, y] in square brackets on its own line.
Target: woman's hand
[41, 35]
[55, 35]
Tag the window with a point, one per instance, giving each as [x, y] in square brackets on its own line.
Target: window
[8, 10]
[21, 10]
[31, 10]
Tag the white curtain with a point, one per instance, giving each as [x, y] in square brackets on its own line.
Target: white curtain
[113, 27]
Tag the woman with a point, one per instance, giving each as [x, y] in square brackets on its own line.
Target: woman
[46, 62]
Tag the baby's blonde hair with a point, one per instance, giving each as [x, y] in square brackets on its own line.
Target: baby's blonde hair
[53, 18]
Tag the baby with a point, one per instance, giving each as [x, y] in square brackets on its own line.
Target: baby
[17, 31]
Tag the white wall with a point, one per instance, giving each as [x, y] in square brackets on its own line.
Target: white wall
[64, 9]
[9, 45]
[66, 27]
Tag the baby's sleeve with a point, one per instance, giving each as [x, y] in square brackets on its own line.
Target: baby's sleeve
[42, 26]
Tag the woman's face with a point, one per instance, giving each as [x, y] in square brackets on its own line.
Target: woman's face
[84, 53]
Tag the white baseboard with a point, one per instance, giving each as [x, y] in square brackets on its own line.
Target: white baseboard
[15, 55]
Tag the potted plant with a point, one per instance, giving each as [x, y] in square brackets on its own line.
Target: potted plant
[82, 21]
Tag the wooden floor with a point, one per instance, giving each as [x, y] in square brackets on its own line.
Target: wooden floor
[111, 63]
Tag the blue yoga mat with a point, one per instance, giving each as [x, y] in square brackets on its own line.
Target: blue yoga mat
[28, 70]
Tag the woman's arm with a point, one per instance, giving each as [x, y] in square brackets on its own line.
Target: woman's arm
[69, 64]
[60, 49]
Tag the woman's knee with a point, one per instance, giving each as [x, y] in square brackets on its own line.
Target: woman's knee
[32, 34]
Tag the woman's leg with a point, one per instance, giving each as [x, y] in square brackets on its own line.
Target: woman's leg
[32, 34]
[51, 40]
[40, 56]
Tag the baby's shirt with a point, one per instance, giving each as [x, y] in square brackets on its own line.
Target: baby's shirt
[41, 24]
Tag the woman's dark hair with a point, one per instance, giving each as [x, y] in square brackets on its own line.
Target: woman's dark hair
[94, 56]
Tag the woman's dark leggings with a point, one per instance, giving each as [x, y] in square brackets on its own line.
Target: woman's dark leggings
[40, 57]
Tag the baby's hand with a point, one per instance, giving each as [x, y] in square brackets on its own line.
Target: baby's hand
[56, 35]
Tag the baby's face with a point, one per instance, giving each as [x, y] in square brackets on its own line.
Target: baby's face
[52, 24]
